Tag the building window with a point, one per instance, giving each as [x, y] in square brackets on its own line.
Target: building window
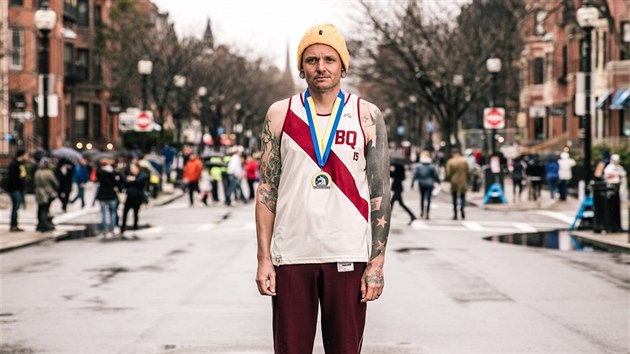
[80, 120]
[17, 2]
[82, 64]
[625, 38]
[539, 133]
[17, 49]
[68, 59]
[541, 16]
[96, 121]
[83, 13]
[539, 73]
[98, 17]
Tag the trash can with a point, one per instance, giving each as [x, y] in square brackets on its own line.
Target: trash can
[607, 207]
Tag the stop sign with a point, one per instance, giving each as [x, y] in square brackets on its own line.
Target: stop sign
[494, 118]
[144, 121]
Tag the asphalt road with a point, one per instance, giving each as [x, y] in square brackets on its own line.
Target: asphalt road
[186, 285]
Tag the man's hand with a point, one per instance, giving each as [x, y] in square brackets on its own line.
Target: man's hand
[266, 278]
[372, 281]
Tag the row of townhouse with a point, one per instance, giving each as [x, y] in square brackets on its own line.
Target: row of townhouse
[80, 76]
[550, 62]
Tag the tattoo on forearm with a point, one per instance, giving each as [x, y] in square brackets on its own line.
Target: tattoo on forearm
[270, 169]
[378, 179]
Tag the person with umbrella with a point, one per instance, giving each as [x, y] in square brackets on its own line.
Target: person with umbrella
[46, 187]
[80, 178]
[64, 173]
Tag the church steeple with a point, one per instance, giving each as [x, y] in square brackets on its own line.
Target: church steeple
[287, 77]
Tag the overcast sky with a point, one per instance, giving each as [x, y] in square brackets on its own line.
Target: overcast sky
[264, 26]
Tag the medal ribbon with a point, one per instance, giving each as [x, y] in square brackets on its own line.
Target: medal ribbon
[322, 143]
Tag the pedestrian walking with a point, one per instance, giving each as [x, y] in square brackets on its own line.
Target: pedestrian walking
[216, 172]
[322, 204]
[80, 178]
[427, 176]
[46, 190]
[235, 175]
[107, 195]
[518, 175]
[64, 173]
[551, 176]
[15, 186]
[565, 174]
[205, 186]
[192, 175]
[457, 173]
[135, 185]
[535, 173]
[397, 173]
[169, 155]
[251, 173]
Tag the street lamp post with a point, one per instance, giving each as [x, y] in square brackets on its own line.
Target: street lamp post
[179, 81]
[45, 19]
[586, 16]
[145, 68]
[493, 65]
[202, 91]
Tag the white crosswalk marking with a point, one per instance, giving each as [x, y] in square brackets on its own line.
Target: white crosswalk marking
[524, 227]
[472, 225]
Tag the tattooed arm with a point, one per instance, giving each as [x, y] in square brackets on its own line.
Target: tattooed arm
[377, 170]
[267, 195]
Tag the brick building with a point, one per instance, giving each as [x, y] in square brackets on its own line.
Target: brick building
[550, 62]
[80, 75]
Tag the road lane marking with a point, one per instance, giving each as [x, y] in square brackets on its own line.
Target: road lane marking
[206, 227]
[557, 215]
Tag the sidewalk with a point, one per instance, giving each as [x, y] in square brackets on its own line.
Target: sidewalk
[28, 217]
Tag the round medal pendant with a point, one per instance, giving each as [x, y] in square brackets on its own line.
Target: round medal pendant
[321, 180]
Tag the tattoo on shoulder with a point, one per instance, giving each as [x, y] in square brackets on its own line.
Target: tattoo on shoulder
[270, 168]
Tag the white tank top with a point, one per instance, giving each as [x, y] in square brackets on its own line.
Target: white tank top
[322, 225]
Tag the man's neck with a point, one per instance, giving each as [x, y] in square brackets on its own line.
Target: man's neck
[324, 100]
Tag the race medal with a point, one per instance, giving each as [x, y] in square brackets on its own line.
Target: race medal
[321, 180]
[322, 142]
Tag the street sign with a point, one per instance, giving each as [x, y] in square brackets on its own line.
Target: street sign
[494, 118]
[144, 121]
[126, 121]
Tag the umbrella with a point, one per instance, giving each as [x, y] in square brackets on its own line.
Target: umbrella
[101, 155]
[398, 158]
[146, 164]
[67, 153]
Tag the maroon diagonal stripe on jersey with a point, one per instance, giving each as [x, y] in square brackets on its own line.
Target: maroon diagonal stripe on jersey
[299, 131]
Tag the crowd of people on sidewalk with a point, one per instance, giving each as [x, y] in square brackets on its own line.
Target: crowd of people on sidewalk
[527, 173]
[128, 180]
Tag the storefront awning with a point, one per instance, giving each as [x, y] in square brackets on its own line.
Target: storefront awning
[620, 99]
[602, 99]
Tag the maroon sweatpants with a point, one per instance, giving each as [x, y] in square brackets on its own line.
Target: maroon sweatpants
[299, 288]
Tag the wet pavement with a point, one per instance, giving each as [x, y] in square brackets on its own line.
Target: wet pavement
[186, 285]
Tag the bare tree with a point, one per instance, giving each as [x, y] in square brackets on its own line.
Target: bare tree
[439, 61]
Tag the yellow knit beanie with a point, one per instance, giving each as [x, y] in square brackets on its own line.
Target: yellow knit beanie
[327, 34]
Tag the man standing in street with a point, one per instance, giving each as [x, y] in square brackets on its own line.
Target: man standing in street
[323, 204]
[457, 173]
[15, 187]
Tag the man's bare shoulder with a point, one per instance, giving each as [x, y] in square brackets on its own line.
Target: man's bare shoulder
[275, 116]
[369, 113]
